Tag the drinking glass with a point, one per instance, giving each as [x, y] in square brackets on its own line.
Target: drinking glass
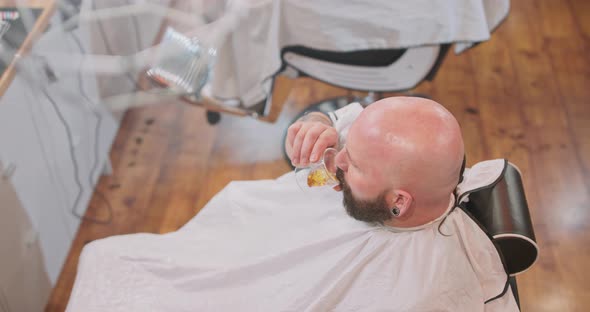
[319, 174]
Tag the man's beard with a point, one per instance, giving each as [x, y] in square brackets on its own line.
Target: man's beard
[363, 210]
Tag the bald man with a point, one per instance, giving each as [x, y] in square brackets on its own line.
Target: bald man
[267, 245]
[401, 162]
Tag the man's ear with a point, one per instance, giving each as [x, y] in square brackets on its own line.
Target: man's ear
[401, 200]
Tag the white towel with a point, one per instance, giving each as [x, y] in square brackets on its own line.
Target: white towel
[251, 53]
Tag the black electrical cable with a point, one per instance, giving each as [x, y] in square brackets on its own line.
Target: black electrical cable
[98, 116]
[42, 146]
[50, 75]
[94, 167]
[76, 167]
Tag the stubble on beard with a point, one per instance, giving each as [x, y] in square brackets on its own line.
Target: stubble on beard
[363, 210]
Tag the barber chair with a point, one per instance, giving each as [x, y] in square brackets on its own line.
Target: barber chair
[502, 212]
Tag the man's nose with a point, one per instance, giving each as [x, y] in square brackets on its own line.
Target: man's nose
[341, 161]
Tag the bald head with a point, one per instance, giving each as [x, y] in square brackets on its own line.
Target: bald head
[413, 144]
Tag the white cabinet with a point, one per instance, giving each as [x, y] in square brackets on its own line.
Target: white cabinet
[47, 135]
[24, 285]
[59, 136]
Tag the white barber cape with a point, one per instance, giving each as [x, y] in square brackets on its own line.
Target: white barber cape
[250, 54]
[269, 246]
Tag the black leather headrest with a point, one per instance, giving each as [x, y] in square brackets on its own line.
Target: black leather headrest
[502, 211]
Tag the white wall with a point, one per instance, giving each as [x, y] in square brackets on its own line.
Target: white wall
[34, 138]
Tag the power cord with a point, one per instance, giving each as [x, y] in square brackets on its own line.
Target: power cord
[70, 138]
[50, 76]
[49, 73]
[99, 119]
[43, 150]
[76, 166]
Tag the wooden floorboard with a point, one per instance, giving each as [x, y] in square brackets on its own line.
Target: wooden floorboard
[523, 95]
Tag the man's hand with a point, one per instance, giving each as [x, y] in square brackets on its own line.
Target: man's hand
[308, 138]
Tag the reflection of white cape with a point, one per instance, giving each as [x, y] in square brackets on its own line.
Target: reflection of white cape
[252, 52]
[267, 246]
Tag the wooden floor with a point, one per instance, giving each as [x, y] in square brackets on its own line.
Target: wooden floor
[524, 95]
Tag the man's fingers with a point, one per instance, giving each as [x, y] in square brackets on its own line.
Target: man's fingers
[297, 142]
[311, 137]
[291, 134]
[303, 140]
[337, 188]
[329, 137]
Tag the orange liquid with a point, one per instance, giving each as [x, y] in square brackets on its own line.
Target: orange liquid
[318, 177]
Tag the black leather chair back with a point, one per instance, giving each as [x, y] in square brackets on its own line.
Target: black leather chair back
[502, 211]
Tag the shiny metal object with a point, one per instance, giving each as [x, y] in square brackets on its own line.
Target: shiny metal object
[183, 64]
